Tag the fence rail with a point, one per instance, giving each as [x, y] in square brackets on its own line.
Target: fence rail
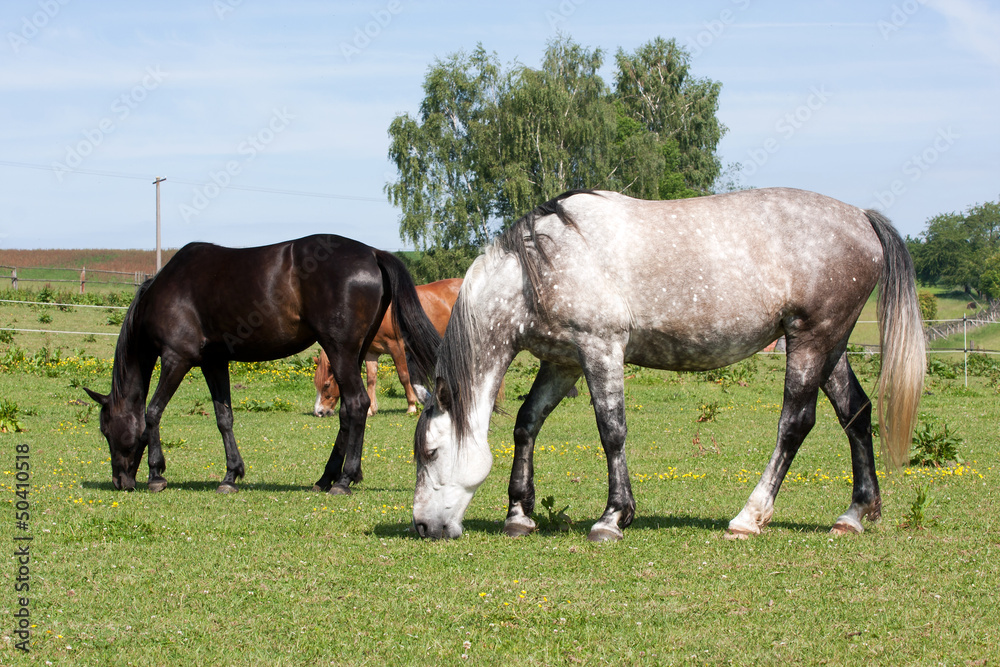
[134, 278]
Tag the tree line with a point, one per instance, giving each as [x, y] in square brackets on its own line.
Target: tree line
[961, 250]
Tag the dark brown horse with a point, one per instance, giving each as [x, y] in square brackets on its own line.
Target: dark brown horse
[211, 305]
[437, 299]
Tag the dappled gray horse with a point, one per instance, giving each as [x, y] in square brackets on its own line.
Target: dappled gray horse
[591, 281]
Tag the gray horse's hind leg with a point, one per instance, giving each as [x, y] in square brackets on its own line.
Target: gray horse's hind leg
[548, 389]
[854, 410]
[803, 373]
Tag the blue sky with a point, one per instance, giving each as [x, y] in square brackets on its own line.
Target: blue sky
[269, 119]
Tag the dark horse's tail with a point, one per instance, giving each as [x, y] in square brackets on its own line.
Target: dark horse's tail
[902, 341]
[420, 338]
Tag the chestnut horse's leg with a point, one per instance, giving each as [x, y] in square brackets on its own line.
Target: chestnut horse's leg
[173, 370]
[548, 389]
[217, 378]
[371, 374]
[399, 358]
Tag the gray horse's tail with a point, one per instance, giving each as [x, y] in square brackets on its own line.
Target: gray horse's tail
[902, 339]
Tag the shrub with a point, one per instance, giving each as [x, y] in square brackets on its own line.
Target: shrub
[934, 447]
[741, 373]
[941, 368]
[557, 519]
[115, 317]
[917, 517]
[708, 412]
[276, 405]
[9, 421]
[928, 305]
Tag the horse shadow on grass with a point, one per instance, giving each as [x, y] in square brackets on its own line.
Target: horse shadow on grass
[203, 486]
[716, 525]
[707, 525]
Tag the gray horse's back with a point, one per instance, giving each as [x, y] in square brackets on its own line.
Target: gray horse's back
[700, 283]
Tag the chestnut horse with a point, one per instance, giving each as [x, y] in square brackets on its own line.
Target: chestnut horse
[211, 305]
[437, 299]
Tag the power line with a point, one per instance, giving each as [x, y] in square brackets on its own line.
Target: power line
[247, 188]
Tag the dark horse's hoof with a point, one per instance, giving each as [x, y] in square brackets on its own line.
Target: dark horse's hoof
[156, 485]
[339, 490]
[227, 488]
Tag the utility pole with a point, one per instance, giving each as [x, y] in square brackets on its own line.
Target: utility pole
[159, 260]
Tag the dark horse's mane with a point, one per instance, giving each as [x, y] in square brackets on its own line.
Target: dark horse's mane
[457, 360]
[123, 350]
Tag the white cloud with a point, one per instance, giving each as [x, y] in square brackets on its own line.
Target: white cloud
[974, 24]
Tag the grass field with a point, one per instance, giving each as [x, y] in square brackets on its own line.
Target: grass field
[279, 575]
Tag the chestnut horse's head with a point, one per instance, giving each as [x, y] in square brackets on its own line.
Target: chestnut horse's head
[327, 390]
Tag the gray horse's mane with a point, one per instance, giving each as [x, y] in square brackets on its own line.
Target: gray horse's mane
[124, 350]
[464, 343]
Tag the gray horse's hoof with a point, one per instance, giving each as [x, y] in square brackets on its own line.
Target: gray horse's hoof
[227, 488]
[156, 485]
[517, 529]
[605, 533]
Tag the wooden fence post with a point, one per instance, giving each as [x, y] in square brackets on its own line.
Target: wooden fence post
[13, 277]
[83, 278]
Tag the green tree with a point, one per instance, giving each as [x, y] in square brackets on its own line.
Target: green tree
[656, 88]
[955, 249]
[557, 126]
[447, 190]
[490, 144]
[990, 279]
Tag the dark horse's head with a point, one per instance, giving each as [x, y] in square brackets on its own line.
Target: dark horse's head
[123, 429]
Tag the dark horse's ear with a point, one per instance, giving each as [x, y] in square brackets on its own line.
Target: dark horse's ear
[442, 395]
[102, 399]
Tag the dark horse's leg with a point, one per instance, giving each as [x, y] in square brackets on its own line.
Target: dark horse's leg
[344, 466]
[854, 410]
[805, 369]
[604, 369]
[172, 371]
[548, 389]
[217, 378]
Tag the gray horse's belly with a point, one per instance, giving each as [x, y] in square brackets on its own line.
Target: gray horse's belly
[694, 352]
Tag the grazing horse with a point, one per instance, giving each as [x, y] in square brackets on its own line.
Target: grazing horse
[590, 281]
[211, 305]
[437, 299]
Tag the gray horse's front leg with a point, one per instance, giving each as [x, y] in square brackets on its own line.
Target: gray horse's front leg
[548, 389]
[604, 368]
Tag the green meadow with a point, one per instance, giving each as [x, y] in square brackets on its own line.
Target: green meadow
[280, 575]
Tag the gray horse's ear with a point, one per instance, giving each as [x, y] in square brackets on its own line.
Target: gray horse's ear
[423, 395]
[102, 399]
[442, 395]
